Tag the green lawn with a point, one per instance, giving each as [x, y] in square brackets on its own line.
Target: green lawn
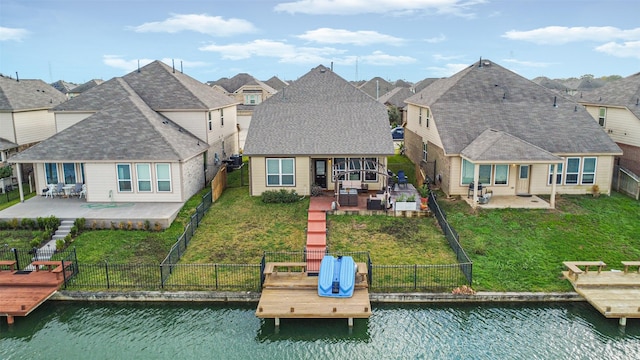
[523, 250]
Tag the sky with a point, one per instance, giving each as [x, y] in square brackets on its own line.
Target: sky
[81, 40]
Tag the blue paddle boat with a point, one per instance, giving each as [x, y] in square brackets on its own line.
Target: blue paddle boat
[337, 276]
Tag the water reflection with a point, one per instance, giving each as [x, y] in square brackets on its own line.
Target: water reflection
[210, 331]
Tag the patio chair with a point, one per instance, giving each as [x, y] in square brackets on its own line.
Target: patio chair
[49, 192]
[58, 190]
[76, 190]
[402, 178]
[83, 192]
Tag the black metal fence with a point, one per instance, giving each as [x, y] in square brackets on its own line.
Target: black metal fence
[24, 258]
[11, 192]
[464, 262]
[181, 244]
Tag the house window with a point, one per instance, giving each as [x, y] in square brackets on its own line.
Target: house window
[221, 117]
[69, 171]
[163, 177]
[601, 116]
[501, 176]
[485, 174]
[82, 172]
[573, 171]
[340, 165]
[252, 99]
[467, 172]
[281, 172]
[424, 152]
[426, 121]
[558, 174]
[589, 170]
[143, 173]
[355, 166]
[210, 122]
[124, 177]
[419, 116]
[371, 169]
[51, 173]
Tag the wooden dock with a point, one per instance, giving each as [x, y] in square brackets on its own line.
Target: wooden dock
[293, 294]
[21, 292]
[615, 294]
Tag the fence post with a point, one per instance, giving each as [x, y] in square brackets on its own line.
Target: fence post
[415, 276]
[161, 277]
[15, 255]
[106, 269]
[215, 267]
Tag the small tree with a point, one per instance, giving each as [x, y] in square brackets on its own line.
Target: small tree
[6, 171]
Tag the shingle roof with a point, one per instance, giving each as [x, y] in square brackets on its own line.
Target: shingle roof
[27, 94]
[6, 144]
[624, 92]
[235, 83]
[86, 86]
[491, 97]
[276, 83]
[497, 146]
[376, 87]
[396, 97]
[158, 85]
[320, 113]
[136, 133]
[164, 88]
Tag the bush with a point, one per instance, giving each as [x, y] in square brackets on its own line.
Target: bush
[35, 242]
[14, 223]
[316, 190]
[280, 196]
[80, 224]
[28, 224]
[60, 244]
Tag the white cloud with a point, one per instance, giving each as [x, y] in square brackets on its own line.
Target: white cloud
[379, 58]
[526, 63]
[341, 36]
[438, 39]
[201, 23]
[353, 7]
[558, 35]
[118, 62]
[447, 70]
[274, 49]
[440, 57]
[12, 34]
[627, 49]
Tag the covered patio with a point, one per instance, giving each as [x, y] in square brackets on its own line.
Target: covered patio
[511, 201]
[100, 214]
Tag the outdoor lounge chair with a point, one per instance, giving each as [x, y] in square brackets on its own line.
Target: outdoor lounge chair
[58, 190]
[76, 190]
[49, 192]
[402, 178]
[83, 192]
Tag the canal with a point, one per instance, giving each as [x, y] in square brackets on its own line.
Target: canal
[79, 330]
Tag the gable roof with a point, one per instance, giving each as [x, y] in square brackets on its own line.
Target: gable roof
[376, 87]
[237, 82]
[86, 86]
[142, 135]
[489, 96]
[27, 94]
[6, 144]
[98, 97]
[276, 83]
[320, 113]
[624, 92]
[396, 97]
[496, 146]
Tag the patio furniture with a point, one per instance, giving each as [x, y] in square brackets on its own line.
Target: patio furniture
[77, 188]
[49, 192]
[58, 190]
[83, 192]
[402, 178]
[376, 202]
[348, 197]
[470, 190]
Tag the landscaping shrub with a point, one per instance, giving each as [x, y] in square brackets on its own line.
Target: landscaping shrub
[28, 224]
[60, 244]
[280, 196]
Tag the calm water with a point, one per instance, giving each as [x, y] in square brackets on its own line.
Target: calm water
[183, 331]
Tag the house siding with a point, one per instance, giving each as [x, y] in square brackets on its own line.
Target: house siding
[65, 120]
[244, 120]
[259, 178]
[7, 130]
[192, 176]
[194, 122]
[33, 126]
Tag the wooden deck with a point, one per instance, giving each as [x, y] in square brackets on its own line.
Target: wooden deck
[615, 294]
[294, 294]
[22, 292]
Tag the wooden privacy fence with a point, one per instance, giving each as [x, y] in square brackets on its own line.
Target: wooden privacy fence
[628, 183]
[219, 183]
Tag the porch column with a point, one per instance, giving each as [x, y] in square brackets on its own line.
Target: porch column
[20, 190]
[552, 200]
[476, 175]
